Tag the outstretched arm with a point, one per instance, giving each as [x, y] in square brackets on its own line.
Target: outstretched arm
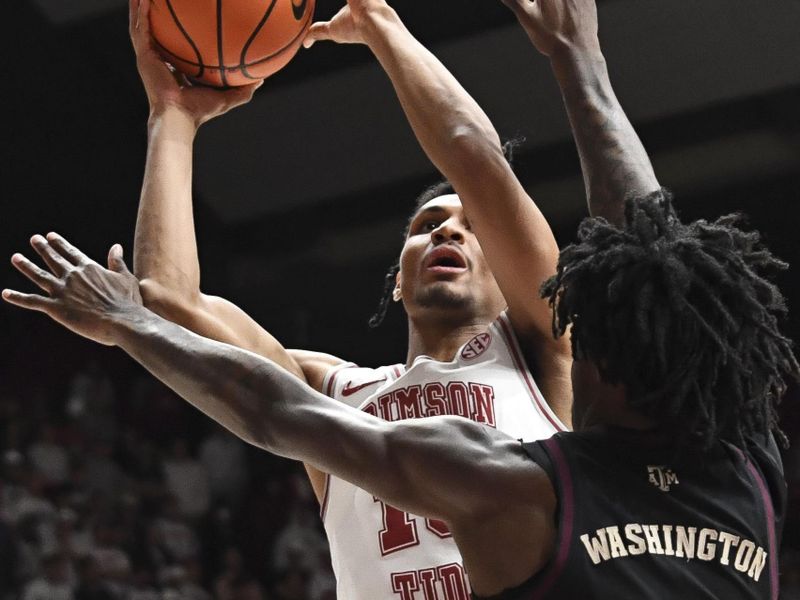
[445, 467]
[462, 143]
[614, 162]
[165, 249]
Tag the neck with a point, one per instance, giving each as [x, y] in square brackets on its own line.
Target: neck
[441, 340]
[608, 407]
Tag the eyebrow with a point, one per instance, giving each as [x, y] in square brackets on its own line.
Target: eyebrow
[429, 210]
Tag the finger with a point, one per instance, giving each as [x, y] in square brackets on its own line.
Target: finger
[28, 301]
[139, 23]
[133, 14]
[67, 250]
[317, 32]
[143, 17]
[116, 262]
[183, 80]
[245, 93]
[55, 262]
[33, 272]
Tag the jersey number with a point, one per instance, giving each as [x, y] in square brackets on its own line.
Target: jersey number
[400, 529]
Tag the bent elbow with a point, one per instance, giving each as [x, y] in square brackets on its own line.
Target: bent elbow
[476, 147]
[161, 300]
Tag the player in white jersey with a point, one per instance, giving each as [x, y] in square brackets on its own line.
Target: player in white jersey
[488, 382]
[467, 258]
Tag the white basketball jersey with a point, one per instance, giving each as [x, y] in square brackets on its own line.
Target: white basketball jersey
[379, 552]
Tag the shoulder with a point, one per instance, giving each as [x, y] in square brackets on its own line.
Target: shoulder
[547, 359]
[764, 453]
[316, 366]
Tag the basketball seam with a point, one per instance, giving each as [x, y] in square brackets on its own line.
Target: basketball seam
[227, 67]
[252, 37]
[200, 65]
[220, 51]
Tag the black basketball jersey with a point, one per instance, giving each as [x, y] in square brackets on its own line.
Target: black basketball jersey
[634, 521]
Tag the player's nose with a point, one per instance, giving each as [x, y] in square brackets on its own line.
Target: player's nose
[449, 230]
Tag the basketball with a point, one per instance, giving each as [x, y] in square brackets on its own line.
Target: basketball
[231, 42]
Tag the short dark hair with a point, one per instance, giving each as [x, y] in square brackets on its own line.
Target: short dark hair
[442, 188]
[683, 315]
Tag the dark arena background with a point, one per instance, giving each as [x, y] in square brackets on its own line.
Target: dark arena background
[301, 198]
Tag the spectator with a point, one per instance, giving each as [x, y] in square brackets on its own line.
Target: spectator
[224, 458]
[143, 586]
[191, 587]
[91, 586]
[249, 589]
[187, 481]
[177, 539]
[54, 582]
[232, 572]
[8, 557]
[300, 542]
[91, 404]
[48, 456]
[291, 584]
[102, 474]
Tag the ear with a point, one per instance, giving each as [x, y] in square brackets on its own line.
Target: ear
[397, 294]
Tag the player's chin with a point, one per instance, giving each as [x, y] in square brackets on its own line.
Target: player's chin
[445, 295]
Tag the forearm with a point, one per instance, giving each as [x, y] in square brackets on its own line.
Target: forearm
[265, 406]
[241, 391]
[165, 248]
[614, 162]
[452, 129]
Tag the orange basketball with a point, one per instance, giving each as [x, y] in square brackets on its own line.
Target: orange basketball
[229, 42]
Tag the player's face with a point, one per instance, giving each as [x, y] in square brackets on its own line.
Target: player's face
[442, 267]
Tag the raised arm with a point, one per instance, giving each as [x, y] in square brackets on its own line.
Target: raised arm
[447, 467]
[614, 162]
[165, 249]
[462, 143]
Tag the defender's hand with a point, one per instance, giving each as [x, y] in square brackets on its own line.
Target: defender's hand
[81, 295]
[346, 27]
[167, 88]
[553, 25]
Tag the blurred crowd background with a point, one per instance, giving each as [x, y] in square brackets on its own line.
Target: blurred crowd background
[113, 488]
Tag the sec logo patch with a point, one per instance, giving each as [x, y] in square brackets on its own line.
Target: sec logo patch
[476, 346]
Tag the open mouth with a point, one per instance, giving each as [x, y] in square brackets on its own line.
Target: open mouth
[445, 259]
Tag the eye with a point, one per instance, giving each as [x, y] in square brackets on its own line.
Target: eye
[426, 226]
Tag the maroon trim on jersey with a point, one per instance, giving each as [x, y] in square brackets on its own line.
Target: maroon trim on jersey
[566, 502]
[522, 369]
[333, 374]
[323, 506]
[770, 510]
[398, 373]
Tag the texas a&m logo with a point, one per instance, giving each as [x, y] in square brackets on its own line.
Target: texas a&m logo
[662, 477]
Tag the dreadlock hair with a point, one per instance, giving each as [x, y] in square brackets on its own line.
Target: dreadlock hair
[441, 188]
[682, 315]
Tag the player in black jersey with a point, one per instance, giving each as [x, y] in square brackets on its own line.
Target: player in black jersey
[672, 487]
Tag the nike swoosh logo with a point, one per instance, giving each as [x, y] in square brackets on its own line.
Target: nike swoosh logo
[349, 391]
[299, 9]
